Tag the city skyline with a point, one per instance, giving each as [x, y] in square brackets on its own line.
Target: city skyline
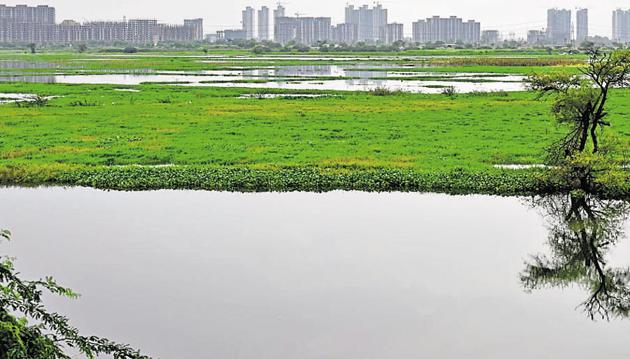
[493, 14]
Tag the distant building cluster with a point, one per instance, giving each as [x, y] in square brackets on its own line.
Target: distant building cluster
[562, 29]
[362, 24]
[26, 24]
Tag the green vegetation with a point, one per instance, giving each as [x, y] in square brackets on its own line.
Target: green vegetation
[436, 61]
[50, 334]
[166, 136]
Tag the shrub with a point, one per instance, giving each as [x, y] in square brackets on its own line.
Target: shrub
[384, 91]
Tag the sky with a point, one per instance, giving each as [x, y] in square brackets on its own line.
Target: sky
[505, 15]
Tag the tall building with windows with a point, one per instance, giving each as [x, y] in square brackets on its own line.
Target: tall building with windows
[41, 14]
[581, 22]
[369, 21]
[142, 31]
[263, 24]
[490, 37]
[302, 30]
[621, 26]
[279, 12]
[345, 34]
[248, 23]
[536, 37]
[195, 27]
[391, 33]
[559, 26]
[26, 24]
[448, 30]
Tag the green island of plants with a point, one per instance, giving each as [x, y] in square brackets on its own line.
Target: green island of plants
[166, 136]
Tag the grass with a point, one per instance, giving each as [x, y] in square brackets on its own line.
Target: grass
[487, 61]
[199, 137]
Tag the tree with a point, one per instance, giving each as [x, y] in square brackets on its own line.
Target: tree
[32, 48]
[51, 333]
[580, 100]
[82, 48]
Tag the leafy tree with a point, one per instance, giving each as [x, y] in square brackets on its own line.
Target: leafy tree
[82, 48]
[50, 334]
[580, 100]
[32, 48]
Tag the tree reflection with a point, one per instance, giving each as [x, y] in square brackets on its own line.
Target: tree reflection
[582, 230]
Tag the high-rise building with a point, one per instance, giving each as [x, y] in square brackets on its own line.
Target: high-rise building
[490, 37]
[369, 21]
[536, 37]
[142, 31]
[279, 12]
[391, 33]
[231, 35]
[581, 33]
[302, 30]
[248, 23]
[263, 24]
[195, 26]
[284, 29]
[345, 34]
[448, 30]
[621, 26]
[559, 26]
[41, 14]
[24, 24]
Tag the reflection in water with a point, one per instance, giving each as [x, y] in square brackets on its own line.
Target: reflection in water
[352, 77]
[582, 230]
[18, 64]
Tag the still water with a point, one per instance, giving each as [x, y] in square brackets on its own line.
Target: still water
[353, 77]
[185, 274]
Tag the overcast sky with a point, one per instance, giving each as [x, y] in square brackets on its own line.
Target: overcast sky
[504, 15]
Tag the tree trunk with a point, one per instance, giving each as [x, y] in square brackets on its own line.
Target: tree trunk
[594, 136]
[584, 136]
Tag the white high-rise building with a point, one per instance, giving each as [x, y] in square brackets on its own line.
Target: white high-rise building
[279, 12]
[248, 23]
[263, 24]
[621, 26]
[370, 22]
[448, 30]
[391, 33]
[581, 22]
[559, 26]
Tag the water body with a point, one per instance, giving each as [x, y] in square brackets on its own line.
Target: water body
[21, 65]
[184, 274]
[412, 86]
[15, 97]
[358, 84]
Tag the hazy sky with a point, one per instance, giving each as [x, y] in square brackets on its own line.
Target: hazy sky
[505, 15]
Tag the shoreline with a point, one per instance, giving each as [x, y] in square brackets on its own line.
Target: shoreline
[497, 182]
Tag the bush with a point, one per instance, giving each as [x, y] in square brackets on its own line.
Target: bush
[449, 91]
[384, 91]
[37, 101]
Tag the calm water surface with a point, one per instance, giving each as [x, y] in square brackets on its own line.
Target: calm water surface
[185, 274]
[352, 77]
